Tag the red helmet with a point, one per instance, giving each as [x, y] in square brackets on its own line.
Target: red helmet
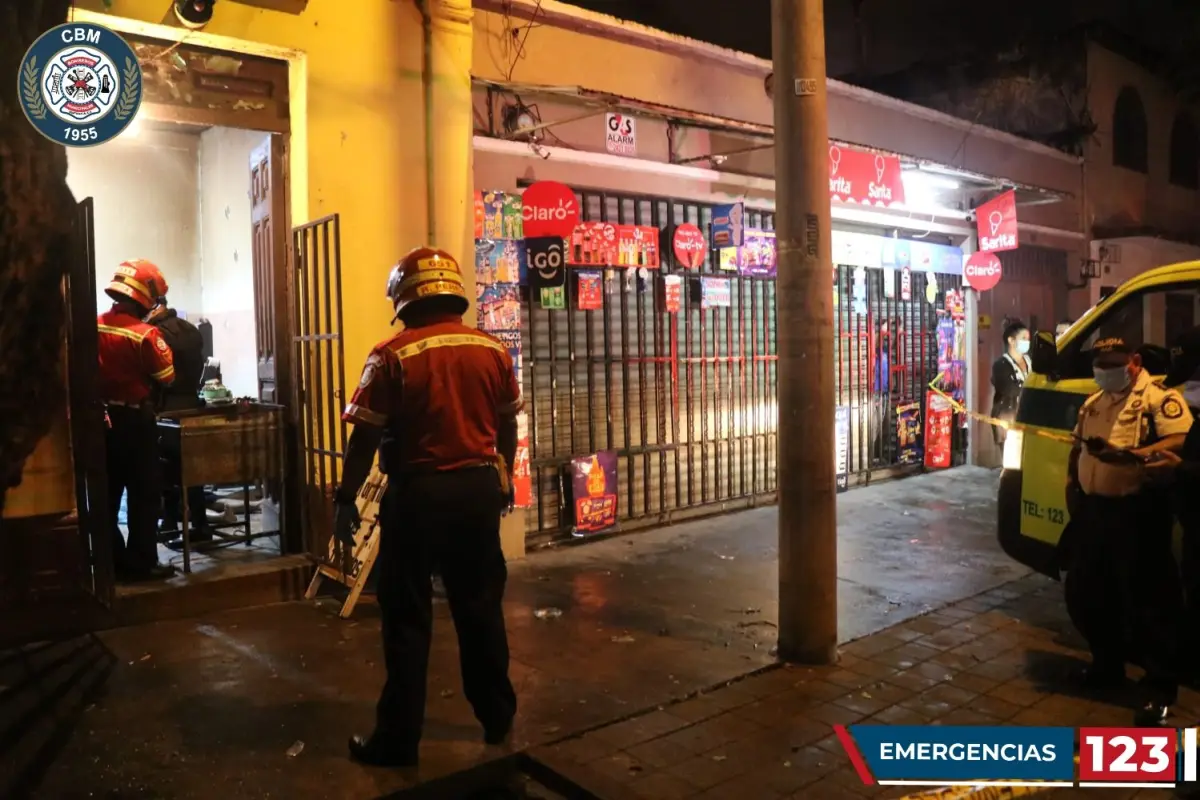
[140, 281]
[425, 273]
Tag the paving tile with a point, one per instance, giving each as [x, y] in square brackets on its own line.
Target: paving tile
[1017, 692]
[835, 715]
[966, 716]
[696, 709]
[711, 769]
[947, 639]
[976, 684]
[899, 715]
[906, 656]
[620, 767]
[659, 753]
[585, 749]
[662, 786]
[640, 729]
[698, 738]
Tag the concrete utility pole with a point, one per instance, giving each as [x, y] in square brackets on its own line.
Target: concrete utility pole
[804, 324]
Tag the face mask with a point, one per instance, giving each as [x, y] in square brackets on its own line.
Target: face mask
[1191, 393]
[1115, 379]
[1022, 346]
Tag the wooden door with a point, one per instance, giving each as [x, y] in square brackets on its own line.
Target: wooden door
[268, 211]
[272, 317]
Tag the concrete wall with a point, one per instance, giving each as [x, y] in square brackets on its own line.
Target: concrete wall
[227, 281]
[636, 68]
[146, 196]
[1119, 197]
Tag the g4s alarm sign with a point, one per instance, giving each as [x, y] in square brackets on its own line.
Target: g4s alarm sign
[620, 134]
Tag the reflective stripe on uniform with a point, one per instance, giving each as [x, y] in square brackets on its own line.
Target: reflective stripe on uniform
[126, 332]
[360, 414]
[447, 340]
[164, 373]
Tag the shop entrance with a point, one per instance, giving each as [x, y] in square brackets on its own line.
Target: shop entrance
[203, 203]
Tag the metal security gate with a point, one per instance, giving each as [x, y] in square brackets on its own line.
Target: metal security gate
[687, 399]
[320, 369]
[884, 358]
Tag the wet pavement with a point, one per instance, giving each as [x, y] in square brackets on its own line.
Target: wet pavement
[258, 702]
[1003, 657]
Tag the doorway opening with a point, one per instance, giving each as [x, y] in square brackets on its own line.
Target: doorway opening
[193, 199]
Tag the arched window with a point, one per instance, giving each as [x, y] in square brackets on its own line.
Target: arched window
[1129, 131]
[1185, 152]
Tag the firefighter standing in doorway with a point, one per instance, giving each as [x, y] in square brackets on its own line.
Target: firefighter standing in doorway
[135, 362]
[439, 401]
[1122, 587]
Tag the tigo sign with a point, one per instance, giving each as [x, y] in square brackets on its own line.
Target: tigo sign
[996, 223]
[620, 134]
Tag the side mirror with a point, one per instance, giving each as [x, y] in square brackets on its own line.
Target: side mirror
[1043, 354]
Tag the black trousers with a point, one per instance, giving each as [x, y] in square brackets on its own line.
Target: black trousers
[449, 521]
[1187, 499]
[133, 467]
[1122, 589]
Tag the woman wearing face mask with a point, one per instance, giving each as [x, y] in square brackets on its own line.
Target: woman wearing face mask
[1008, 375]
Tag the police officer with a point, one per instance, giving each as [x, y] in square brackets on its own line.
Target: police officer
[1122, 589]
[135, 361]
[439, 400]
[187, 347]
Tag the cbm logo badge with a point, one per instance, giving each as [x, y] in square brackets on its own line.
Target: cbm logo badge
[80, 84]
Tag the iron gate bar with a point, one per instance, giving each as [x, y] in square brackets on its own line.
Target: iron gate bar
[317, 251]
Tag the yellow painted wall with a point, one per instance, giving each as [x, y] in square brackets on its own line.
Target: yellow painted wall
[362, 133]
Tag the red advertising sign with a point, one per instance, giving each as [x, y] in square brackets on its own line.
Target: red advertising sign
[939, 418]
[982, 271]
[549, 208]
[689, 245]
[480, 213]
[870, 179]
[593, 243]
[522, 477]
[637, 246]
[589, 294]
[672, 296]
[996, 223]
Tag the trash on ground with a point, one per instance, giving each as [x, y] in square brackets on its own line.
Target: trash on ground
[550, 612]
[719, 758]
[623, 639]
[754, 622]
[447, 693]
[296, 749]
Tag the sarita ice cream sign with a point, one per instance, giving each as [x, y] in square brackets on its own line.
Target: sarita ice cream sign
[996, 223]
[870, 179]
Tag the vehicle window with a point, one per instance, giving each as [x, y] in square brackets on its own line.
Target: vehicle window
[1150, 321]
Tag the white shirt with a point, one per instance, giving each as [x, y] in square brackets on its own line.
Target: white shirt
[1123, 420]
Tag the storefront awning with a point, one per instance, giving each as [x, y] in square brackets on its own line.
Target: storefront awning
[754, 136]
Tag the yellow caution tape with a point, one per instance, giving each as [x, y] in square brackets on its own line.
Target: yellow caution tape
[999, 423]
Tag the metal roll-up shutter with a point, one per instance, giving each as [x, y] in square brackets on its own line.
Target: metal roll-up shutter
[687, 400]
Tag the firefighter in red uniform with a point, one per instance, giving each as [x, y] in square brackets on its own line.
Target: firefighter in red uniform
[439, 401]
[135, 362]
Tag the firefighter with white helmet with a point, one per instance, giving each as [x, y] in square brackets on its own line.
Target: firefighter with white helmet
[439, 401]
[134, 363]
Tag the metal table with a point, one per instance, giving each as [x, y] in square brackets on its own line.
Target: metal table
[235, 445]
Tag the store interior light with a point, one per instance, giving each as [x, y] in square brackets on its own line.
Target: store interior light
[927, 180]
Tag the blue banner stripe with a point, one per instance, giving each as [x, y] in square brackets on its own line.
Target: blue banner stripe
[958, 753]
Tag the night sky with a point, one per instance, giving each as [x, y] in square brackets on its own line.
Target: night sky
[893, 35]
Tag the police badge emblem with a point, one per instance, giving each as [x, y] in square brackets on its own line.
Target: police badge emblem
[80, 84]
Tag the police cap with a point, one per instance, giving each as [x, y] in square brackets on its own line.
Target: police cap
[1111, 350]
[1185, 358]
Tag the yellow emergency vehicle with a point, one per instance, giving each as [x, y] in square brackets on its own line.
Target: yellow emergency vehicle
[1149, 312]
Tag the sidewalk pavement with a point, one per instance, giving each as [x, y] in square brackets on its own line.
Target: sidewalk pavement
[259, 702]
[1000, 658]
